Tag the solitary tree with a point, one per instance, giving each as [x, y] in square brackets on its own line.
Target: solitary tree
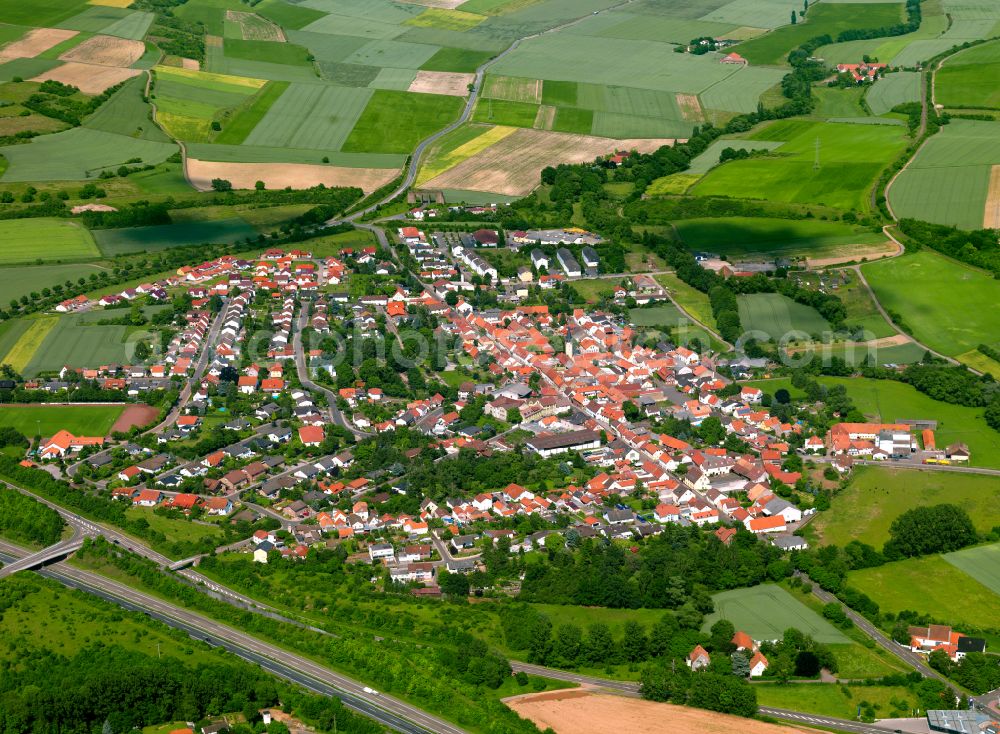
[794, 18]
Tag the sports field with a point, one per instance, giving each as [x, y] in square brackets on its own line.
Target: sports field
[150, 239]
[948, 305]
[850, 160]
[930, 585]
[45, 420]
[45, 238]
[971, 78]
[981, 563]
[764, 612]
[778, 316]
[878, 495]
[743, 236]
[948, 180]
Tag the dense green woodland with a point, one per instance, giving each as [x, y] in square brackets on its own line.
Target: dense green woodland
[24, 520]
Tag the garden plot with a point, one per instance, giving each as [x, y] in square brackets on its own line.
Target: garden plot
[282, 175]
[34, 42]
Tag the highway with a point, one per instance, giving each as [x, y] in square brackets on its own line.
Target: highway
[387, 710]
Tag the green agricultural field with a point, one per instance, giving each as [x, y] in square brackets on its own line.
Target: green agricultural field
[737, 237]
[506, 113]
[126, 113]
[971, 78]
[268, 51]
[981, 563]
[930, 585]
[892, 90]
[765, 612]
[663, 315]
[851, 159]
[948, 180]
[774, 47]
[584, 616]
[778, 316]
[560, 94]
[188, 102]
[17, 281]
[830, 699]
[691, 300]
[243, 122]
[75, 340]
[456, 59]
[947, 305]
[45, 238]
[311, 116]
[742, 91]
[643, 64]
[115, 242]
[286, 14]
[878, 495]
[23, 341]
[378, 129]
[77, 154]
[709, 158]
[39, 13]
[120, 22]
[573, 120]
[45, 420]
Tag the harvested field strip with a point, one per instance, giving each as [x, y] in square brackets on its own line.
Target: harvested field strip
[260, 154]
[690, 107]
[281, 175]
[514, 89]
[579, 712]
[991, 215]
[442, 82]
[513, 166]
[88, 78]
[35, 42]
[255, 28]
[106, 51]
[545, 117]
[24, 349]
[441, 162]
